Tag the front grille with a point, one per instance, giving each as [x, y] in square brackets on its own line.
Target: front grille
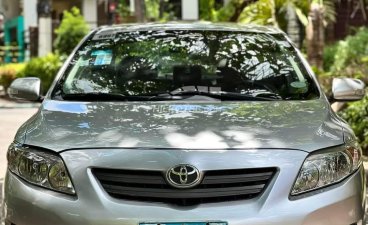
[216, 186]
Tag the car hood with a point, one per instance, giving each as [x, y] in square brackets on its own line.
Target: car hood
[304, 125]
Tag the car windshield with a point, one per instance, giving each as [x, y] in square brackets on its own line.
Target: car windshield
[178, 64]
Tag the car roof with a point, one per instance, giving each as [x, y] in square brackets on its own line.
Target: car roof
[105, 31]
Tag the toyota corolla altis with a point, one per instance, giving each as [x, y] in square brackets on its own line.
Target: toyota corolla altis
[185, 124]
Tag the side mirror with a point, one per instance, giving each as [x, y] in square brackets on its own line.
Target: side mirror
[347, 89]
[28, 88]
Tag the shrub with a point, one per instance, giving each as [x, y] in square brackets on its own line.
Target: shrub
[71, 30]
[329, 53]
[357, 116]
[44, 68]
[325, 81]
[349, 59]
[9, 72]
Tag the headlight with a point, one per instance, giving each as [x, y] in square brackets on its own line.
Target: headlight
[320, 170]
[39, 168]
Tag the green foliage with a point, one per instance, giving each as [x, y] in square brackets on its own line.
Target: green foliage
[152, 9]
[71, 30]
[273, 12]
[357, 116]
[123, 9]
[329, 11]
[329, 53]
[351, 55]
[209, 10]
[351, 59]
[9, 72]
[155, 10]
[44, 68]
[260, 12]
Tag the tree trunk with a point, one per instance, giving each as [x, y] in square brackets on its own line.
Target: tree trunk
[161, 9]
[293, 26]
[140, 11]
[315, 36]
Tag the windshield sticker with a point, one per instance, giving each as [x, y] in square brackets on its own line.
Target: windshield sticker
[104, 35]
[103, 57]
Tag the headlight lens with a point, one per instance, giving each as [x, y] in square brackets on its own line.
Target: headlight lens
[39, 168]
[320, 170]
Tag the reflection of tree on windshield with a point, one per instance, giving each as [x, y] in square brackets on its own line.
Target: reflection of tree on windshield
[153, 62]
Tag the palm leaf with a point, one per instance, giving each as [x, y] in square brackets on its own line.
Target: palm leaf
[301, 16]
[329, 11]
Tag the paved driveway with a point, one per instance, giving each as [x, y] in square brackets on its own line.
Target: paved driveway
[10, 120]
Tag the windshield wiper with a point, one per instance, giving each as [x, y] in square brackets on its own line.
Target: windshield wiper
[165, 96]
[101, 96]
[94, 96]
[222, 95]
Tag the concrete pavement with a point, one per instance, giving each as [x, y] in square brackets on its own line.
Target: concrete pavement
[10, 120]
[5, 103]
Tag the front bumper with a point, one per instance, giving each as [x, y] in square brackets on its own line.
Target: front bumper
[342, 204]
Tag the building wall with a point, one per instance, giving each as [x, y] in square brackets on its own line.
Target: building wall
[89, 10]
[11, 8]
[189, 9]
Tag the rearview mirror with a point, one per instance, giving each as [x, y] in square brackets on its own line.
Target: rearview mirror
[28, 88]
[347, 89]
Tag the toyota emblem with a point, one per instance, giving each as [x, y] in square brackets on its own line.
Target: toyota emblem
[183, 176]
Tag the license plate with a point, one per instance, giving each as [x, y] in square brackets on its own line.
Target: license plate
[186, 223]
